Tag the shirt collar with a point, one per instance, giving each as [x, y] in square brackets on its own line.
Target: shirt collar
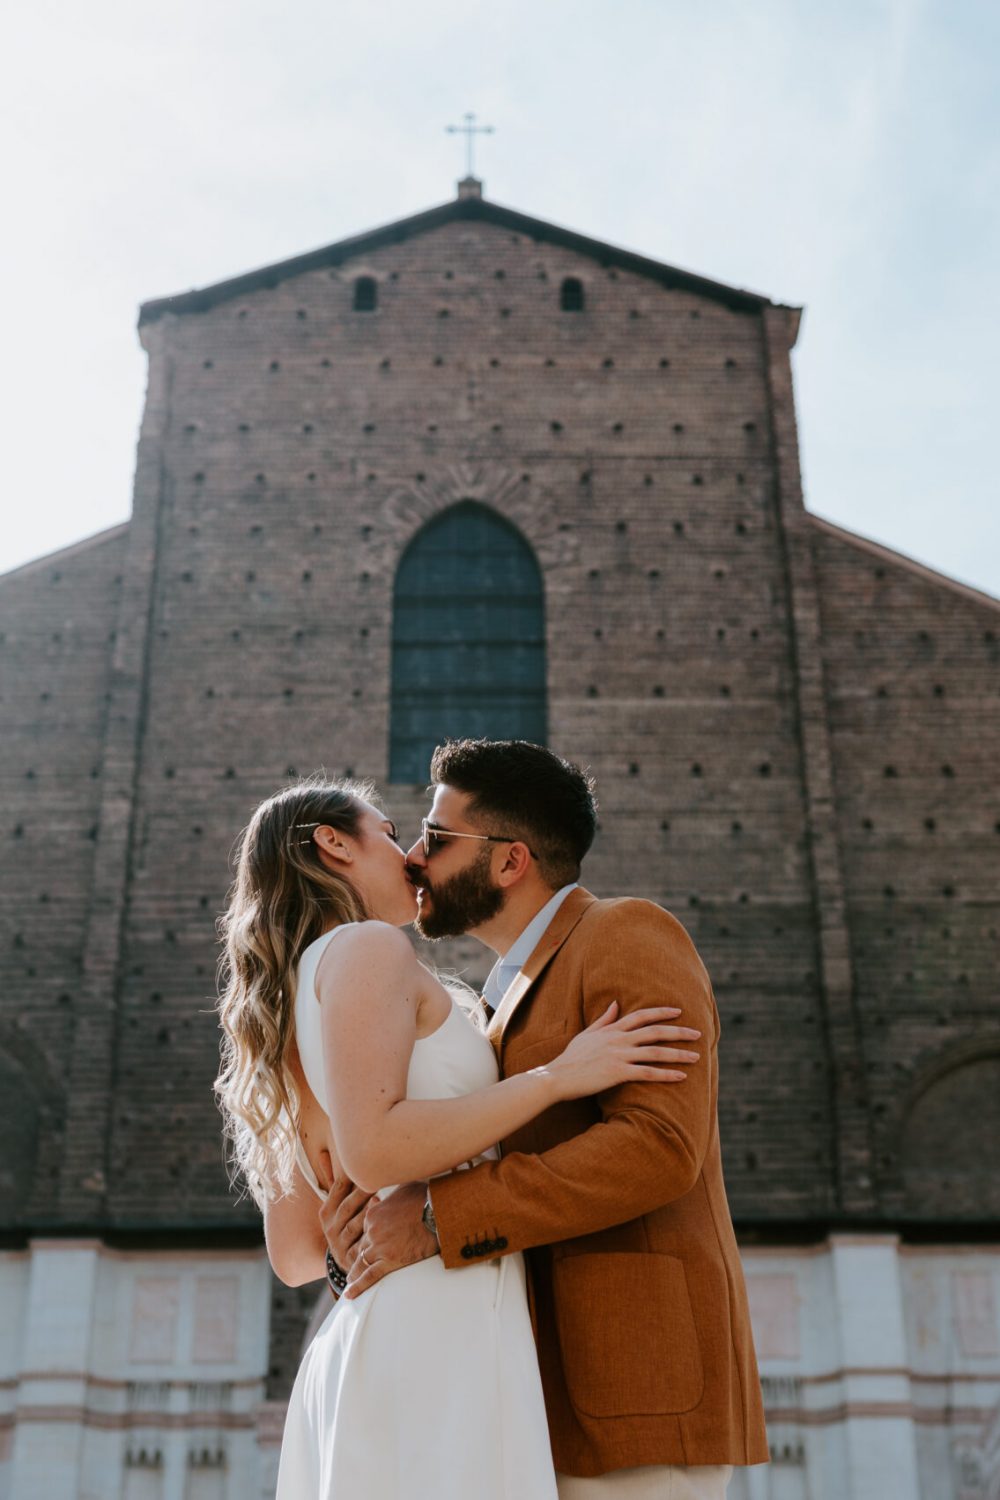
[504, 970]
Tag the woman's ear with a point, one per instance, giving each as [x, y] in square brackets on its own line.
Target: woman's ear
[332, 845]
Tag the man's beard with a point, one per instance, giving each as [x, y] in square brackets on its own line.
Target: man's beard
[465, 901]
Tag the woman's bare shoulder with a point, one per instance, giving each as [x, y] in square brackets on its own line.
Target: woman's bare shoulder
[366, 951]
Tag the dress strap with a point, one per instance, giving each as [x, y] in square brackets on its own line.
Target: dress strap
[322, 953]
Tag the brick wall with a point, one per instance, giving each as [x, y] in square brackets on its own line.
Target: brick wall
[305, 445]
[913, 681]
[645, 448]
[57, 620]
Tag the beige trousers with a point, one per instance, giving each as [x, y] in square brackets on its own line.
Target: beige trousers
[658, 1482]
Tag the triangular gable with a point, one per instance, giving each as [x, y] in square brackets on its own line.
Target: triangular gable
[462, 209]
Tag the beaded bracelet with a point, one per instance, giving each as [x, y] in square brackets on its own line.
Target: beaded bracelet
[336, 1278]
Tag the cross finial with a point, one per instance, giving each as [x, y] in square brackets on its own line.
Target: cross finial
[470, 130]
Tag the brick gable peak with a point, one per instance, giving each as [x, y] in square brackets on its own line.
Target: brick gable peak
[467, 206]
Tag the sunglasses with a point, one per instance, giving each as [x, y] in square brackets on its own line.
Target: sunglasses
[431, 836]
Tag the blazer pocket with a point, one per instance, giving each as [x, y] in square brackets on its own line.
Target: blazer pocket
[628, 1336]
[537, 1053]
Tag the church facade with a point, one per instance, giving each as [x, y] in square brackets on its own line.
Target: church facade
[474, 473]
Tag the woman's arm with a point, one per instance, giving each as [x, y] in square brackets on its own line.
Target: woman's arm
[296, 1245]
[370, 992]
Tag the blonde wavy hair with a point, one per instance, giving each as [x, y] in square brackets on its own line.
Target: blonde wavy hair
[282, 899]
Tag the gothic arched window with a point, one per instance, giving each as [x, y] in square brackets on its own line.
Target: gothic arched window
[365, 294]
[571, 295]
[468, 638]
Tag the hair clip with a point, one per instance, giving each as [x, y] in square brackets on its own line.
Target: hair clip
[309, 840]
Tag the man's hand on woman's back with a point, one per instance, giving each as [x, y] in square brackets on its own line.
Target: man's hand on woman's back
[342, 1216]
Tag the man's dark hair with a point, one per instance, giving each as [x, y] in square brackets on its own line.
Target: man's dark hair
[524, 789]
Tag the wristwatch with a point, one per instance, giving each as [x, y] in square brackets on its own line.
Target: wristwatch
[427, 1217]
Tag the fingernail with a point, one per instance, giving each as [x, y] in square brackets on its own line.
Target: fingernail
[672, 1010]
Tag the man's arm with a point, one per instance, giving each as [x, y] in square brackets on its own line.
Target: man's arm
[646, 1150]
[650, 1143]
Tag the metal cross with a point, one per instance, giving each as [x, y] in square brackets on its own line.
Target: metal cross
[469, 129]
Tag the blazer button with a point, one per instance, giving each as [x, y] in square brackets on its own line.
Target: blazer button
[467, 1252]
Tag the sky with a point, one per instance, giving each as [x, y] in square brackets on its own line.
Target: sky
[842, 157]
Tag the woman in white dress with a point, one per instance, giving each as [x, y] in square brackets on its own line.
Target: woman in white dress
[342, 1052]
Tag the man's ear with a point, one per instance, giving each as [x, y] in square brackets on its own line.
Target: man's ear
[515, 864]
[331, 844]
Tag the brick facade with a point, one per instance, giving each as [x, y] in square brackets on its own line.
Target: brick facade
[58, 619]
[648, 494]
[795, 734]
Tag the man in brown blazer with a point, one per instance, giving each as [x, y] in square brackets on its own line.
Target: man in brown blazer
[637, 1290]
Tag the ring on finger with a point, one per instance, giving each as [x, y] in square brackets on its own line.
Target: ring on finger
[364, 1257]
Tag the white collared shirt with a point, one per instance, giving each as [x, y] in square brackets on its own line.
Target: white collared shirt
[506, 968]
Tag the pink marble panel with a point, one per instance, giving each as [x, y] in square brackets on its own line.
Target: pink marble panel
[774, 1313]
[155, 1302]
[974, 1308]
[216, 1314]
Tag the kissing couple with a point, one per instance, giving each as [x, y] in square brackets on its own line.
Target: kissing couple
[523, 1218]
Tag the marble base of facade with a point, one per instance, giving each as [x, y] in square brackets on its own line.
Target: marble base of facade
[141, 1375]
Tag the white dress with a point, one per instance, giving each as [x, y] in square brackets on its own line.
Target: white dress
[426, 1387]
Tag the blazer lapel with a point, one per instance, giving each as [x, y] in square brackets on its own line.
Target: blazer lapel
[552, 939]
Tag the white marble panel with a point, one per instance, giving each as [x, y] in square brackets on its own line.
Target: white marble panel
[774, 1312]
[973, 1299]
[216, 1319]
[155, 1306]
[60, 1301]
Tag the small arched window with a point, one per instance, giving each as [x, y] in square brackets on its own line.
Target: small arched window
[365, 294]
[571, 295]
[468, 638]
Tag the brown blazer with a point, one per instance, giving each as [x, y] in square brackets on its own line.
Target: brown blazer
[638, 1297]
